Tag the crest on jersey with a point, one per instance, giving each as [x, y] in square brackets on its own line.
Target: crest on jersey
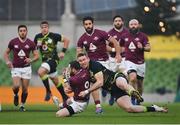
[27, 46]
[85, 42]
[126, 39]
[16, 46]
[96, 38]
[49, 40]
[137, 39]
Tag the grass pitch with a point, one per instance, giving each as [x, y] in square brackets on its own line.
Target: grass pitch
[45, 114]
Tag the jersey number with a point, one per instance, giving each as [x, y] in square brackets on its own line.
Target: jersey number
[86, 85]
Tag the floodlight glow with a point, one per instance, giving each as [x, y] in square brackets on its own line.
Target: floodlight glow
[146, 9]
[161, 24]
[163, 29]
[152, 1]
[173, 8]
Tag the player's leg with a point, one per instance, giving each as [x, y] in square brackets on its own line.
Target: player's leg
[125, 103]
[58, 85]
[26, 76]
[73, 108]
[16, 77]
[43, 73]
[63, 112]
[25, 85]
[132, 76]
[95, 95]
[121, 83]
[140, 85]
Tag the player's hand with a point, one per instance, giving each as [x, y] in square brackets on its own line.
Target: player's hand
[118, 58]
[28, 60]
[61, 55]
[9, 64]
[83, 93]
[139, 45]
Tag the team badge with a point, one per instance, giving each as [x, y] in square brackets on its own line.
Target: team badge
[49, 40]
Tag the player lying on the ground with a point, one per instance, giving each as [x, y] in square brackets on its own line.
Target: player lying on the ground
[79, 81]
[116, 83]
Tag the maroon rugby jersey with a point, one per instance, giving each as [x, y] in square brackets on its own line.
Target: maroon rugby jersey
[80, 82]
[95, 44]
[117, 35]
[132, 52]
[21, 51]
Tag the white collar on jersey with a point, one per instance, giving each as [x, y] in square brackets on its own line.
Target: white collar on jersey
[22, 39]
[120, 30]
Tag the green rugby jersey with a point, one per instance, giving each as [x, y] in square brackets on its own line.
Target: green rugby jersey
[47, 45]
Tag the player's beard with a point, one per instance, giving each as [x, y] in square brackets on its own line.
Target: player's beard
[89, 30]
[118, 27]
[134, 30]
[23, 37]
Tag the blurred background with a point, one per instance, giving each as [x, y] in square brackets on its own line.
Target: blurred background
[160, 19]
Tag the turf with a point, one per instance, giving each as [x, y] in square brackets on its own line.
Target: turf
[45, 114]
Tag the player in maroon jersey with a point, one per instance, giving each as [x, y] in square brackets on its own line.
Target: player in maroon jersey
[79, 81]
[117, 31]
[20, 66]
[94, 43]
[135, 43]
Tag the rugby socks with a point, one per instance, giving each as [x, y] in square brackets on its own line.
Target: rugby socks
[149, 109]
[61, 91]
[45, 81]
[97, 103]
[24, 97]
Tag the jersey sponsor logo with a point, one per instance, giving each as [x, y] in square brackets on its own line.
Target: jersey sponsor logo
[21, 54]
[16, 46]
[132, 47]
[96, 38]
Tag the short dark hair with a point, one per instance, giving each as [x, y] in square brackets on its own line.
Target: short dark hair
[81, 54]
[75, 64]
[44, 22]
[88, 18]
[118, 16]
[22, 26]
